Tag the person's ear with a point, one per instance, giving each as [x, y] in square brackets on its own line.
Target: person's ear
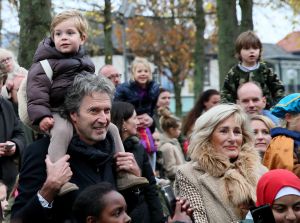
[73, 116]
[288, 117]
[264, 100]
[83, 38]
[91, 219]
[237, 101]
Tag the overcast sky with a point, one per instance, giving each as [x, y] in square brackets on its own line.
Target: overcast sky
[270, 24]
[273, 25]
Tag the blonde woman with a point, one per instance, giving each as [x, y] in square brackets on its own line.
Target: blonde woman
[261, 126]
[220, 180]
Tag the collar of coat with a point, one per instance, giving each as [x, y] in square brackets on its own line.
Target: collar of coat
[240, 176]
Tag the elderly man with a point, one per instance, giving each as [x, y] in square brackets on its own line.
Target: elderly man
[111, 73]
[12, 140]
[91, 156]
[251, 98]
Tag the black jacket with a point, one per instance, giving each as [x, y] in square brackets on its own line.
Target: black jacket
[145, 206]
[89, 165]
[10, 129]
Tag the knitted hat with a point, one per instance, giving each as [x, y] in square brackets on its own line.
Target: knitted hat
[272, 182]
[288, 104]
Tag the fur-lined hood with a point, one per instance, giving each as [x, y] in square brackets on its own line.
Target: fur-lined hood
[240, 177]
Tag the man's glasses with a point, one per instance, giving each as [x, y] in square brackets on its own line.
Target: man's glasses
[5, 60]
[114, 76]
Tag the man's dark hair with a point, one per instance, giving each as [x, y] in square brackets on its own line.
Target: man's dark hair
[90, 201]
[85, 84]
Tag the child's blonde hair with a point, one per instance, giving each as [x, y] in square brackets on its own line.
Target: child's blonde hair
[136, 62]
[80, 21]
[246, 40]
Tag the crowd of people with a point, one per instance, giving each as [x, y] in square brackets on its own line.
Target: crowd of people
[104, 151]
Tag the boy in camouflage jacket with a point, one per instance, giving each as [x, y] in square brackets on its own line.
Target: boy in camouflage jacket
[248, 50]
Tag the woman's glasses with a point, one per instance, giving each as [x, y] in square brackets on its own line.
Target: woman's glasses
[5, 60]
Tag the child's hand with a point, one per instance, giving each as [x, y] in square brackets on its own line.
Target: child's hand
[46, 124]
[145, 121]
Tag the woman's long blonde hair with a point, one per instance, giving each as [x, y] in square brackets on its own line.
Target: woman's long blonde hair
[207, 123]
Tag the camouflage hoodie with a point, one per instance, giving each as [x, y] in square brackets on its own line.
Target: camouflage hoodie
[271, 86]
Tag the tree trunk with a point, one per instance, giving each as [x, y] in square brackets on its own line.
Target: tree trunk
[228, 28]
[199, 57]
[108, 47]
[177, 94]
[247, 20]
[35, 19]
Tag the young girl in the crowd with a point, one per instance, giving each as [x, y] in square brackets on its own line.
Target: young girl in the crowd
[283, 151]
[169, 146]
[142, 92]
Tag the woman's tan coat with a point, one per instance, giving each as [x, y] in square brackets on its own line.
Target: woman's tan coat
[218, 190]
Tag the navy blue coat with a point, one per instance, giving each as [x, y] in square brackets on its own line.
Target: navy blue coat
[143, 102]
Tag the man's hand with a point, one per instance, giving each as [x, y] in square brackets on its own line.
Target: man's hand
[58, 174]
[183, 212]
[46, 124]
[126, 161]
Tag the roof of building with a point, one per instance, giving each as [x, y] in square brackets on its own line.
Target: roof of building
[291, 43]
[273, 51]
